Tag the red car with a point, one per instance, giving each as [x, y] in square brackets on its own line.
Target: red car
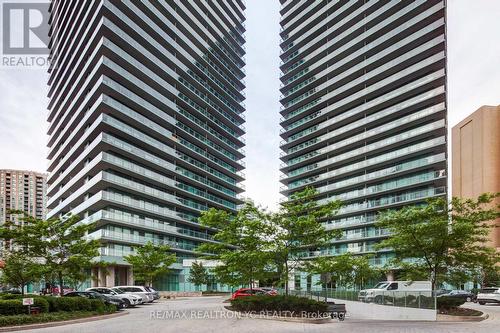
[270, 291]
[245, 292]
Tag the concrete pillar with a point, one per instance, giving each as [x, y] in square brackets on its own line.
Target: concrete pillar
[390, 276]
[102, 276]
[130, 276]
[94, 280]
[110, 276]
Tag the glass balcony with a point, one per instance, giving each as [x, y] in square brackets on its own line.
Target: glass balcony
[353, 54]
[368, 148]
[392, 184]
[374, 87]
[374, 160]
[373, 132]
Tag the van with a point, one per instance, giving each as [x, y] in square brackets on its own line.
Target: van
[395, 288]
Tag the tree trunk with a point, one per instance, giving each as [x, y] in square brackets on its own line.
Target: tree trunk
[22, 289]
[433, 279]
[286, 278]
[61, 289]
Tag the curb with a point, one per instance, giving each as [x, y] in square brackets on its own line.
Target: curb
[61, 323]
[448, 318]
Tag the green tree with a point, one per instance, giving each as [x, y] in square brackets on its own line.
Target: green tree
[297, 228]
[363, 272]
[442, 236]
[346, 270]
[150, 262]
[60, 244]
[198, 275]
[242, 247]
[20, 269]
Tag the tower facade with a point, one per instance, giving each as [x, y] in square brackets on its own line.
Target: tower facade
[146, 123]
[364, 110]
[22, 191]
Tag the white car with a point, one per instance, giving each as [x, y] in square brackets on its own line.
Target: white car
[128, 298]
[138, 290]
[488, 295]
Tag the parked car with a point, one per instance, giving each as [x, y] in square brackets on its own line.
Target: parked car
[245, 292]
[111, 299]
[270, 291]
[488, 295]
[138, 290]
[156, 294]
[463, 294]
[390, 288]
[129, 299]
[439, 292]
[54, 290]
[11, 291]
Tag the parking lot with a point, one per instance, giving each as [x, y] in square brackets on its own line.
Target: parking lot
[207, 314]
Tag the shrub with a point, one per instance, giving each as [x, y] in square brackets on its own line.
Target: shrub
[12, 307]
[449, 302]
[68, 304]
[110, 308]
[98, 305]
[42, 318]
[15, 306]
[42, 303]
[278, 303]
[12, 296]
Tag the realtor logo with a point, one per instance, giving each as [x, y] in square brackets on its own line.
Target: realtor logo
[25, 27]
[25, 33]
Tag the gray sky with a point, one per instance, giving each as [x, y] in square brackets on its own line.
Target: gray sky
[473, 80]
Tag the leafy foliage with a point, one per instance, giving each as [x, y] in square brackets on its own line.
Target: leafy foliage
[25, 319]
[441, 237]
[258, 245]
[19, 269]
[346, 270]
[150, 262]
[198, 275]
[242, 247]
[297, 228]
[60, 244]
[449, 302]
[15, 306]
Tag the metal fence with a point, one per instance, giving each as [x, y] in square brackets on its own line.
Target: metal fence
[408, 299]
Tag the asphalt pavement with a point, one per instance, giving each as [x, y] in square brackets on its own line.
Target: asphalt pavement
[207, 314]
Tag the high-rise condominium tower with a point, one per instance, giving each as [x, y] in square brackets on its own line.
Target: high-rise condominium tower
[146, 123]
[22, 191]
[364, 109]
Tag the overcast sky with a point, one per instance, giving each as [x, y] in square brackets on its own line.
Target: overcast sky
[473, 80]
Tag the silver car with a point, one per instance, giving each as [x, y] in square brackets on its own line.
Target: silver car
[138, 290]
[128, 298]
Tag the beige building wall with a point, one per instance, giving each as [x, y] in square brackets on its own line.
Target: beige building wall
[476, 158]
[22, 190]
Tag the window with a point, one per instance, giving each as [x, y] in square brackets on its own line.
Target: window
[393, 286]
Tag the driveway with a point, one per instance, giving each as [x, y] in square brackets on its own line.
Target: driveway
[207, 314]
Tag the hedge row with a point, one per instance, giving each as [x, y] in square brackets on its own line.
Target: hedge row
[43, 318]
[278, 303]
[13, 306]
[449, 302]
